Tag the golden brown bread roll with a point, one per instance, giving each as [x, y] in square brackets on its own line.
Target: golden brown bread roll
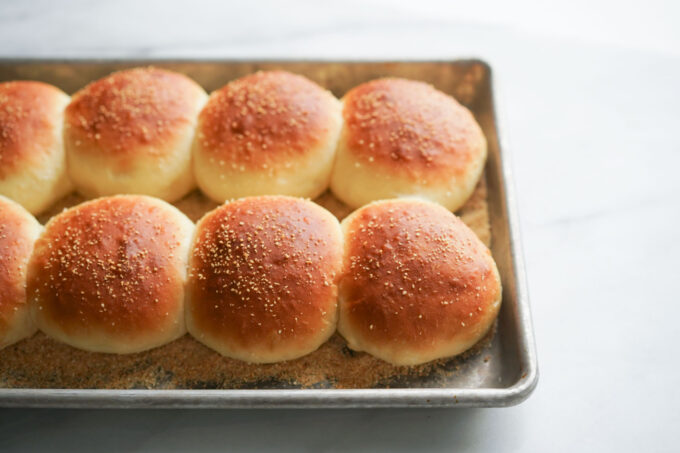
[262, 278]
[108, 275]
[418, 285]
[269, 133]
[131, 132]
[405, 138]
[32, 161]
[18, 232]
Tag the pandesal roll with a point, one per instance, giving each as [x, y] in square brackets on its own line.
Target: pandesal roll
[131, 133]
[263, 278]
[18, 232]
[417, 285]
[109, 275]
[268, 133]
[405, 138]
[32, 160]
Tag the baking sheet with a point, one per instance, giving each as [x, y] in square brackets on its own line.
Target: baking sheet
[501, 370]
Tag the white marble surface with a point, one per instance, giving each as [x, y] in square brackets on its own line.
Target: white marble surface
[591, 96]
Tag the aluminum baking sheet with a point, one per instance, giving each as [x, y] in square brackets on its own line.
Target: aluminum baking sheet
[504, 373]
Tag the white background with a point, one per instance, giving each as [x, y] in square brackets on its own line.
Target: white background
[591, 94]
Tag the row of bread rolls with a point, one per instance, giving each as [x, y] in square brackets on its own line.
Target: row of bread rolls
[155, 132]
[260, 279]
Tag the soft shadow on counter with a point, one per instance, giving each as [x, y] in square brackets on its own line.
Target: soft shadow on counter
[244, 430]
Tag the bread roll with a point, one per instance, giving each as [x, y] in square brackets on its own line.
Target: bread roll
[108, 275]
[418, 284]
[32, 161]
[131, 132]
[269, 133]
[18, 232]
[405, 138]
[262, 279]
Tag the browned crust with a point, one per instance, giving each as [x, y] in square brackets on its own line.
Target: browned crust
[42, 362]
[15, 248]
[265, 118]
[28, 118]
[131, 111]
[410, 128]
[263, 272]
[415, 276]
[109, 266]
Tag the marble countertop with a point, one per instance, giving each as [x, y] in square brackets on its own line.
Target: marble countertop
[591, 97]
